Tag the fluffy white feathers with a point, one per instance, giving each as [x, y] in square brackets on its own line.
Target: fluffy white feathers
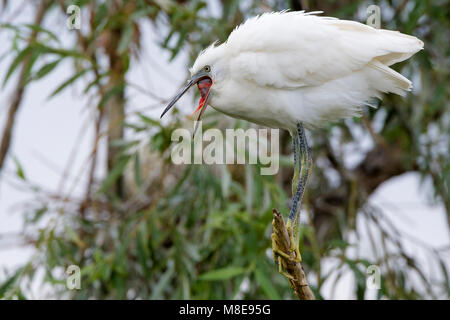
[280, 68]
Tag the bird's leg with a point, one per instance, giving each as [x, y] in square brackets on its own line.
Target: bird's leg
[302, 157]
[277, 252]
[297, 164]
[302, 164]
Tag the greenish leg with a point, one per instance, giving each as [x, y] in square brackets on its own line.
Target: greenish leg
[302, 168]
[303, 165]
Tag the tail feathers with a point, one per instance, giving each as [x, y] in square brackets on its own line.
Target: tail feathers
[401, 47]
[386, 79]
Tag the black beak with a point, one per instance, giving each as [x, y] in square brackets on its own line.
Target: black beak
[193, 80]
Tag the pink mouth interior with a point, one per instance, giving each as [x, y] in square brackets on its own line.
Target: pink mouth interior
[204, 85]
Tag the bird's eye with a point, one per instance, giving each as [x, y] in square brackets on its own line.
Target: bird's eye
[207, 68]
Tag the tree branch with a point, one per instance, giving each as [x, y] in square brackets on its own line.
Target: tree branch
[19, 90]
[294, 270]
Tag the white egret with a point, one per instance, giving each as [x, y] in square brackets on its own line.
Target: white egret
[294, 69]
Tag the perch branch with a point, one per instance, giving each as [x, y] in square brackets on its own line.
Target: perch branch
[293, 269]
[19, 90]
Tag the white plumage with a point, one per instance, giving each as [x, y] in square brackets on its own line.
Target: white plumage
[279, 69]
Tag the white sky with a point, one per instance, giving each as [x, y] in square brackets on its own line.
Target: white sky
[47, 131]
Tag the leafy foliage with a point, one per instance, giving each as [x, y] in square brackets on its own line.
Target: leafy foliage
[203, 232]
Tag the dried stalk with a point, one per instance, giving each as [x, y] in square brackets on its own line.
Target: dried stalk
[293, 270]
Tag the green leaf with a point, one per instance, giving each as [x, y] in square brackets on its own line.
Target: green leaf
[16, 62]
[222, 274]
[148, 120]
[360, 279]
[445, 274]
[125, 39]
[338, 243]
[142, 250]
[117, 89]
[19, 169]
[35, 55]
[163, 281]
[101, 17]
[73, 236]
[266, 285]
[10, 282]
[120, 259]
[68, 82]
[9, 26]
[96, 81]
[38, 28]
[62, 52]
[38, 214]
[46, 69]
[137, 170]
[115, 173]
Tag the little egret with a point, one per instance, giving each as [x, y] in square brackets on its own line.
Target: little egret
[292, 70]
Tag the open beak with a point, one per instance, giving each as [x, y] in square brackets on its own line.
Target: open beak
[204, 83]
[202, 105]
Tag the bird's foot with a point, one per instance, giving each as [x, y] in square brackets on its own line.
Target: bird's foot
[279, 255]
[292, 254]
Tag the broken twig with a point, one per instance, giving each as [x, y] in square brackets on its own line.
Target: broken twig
[290, 267]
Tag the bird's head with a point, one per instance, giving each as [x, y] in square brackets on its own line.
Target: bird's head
[206, 71]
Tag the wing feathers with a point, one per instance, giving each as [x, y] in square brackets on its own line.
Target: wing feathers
[295, 49]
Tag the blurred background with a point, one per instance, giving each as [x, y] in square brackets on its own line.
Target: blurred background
[86, 177]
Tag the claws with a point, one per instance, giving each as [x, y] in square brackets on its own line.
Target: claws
[280, 257]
